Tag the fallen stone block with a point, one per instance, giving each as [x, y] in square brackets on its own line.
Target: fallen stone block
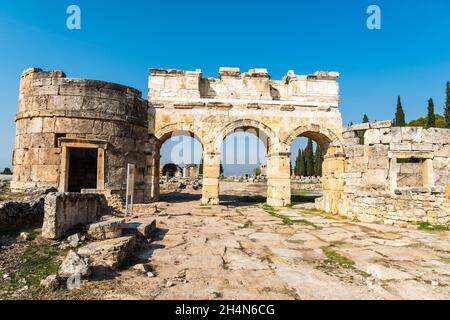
[112, 253]
[74, 265]
[65, 211]
[140, 227]
[104, 230]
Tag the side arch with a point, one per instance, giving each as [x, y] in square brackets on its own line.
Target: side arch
[333, 165]
[325, 137]
[179, 127]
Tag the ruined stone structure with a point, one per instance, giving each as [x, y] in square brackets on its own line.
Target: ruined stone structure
[75, 134]
[278, 111]
[396, 175]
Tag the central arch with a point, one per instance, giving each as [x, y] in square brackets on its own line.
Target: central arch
[275, 179]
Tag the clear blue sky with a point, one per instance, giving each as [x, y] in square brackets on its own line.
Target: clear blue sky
[120, 40]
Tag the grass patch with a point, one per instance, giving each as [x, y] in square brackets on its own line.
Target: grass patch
[286, 220]
[303, 196]
[336, 258]
[36, 262]
[252, 199]
[445, 259]
[426, 226]
[307, 223]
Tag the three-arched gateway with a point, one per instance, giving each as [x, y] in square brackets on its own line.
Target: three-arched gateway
[78, 134]
[278, 111]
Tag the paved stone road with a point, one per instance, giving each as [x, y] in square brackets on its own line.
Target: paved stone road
[255, 252]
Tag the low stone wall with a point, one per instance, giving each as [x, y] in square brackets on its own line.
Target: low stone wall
[15, 214]
[66, 211]
[396, 175]
[407, 207]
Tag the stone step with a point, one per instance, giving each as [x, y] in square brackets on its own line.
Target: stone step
[112, 253]
[103, 230]
[140, 227]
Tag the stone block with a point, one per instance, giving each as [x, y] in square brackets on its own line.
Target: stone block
[381, 124]
[142, 227]
[65, 211]
[112, 253]
[104, 230]
[422, 147]
[401, 146]
[412, 134]
[372, 136]
[376, 179]
[378, 162]
[355, 151]
[357, 127]
[356, 164]
[386, 135]
[377, 150]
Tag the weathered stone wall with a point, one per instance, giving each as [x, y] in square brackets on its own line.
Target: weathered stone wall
[54, 110]
[65, 211]
[375, 169]
[278, 111]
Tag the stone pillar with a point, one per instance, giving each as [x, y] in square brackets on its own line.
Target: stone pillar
[279, 179]
[393, 174]
[428, 173]
[333, 182]
[211, 173]
[153, 172]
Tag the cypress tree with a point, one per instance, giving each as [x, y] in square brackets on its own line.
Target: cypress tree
[298, 163]
[447, 106]
[431, 121]
[303, 164]
[318, 161]
[309, 157]
[200, 168]
[365, 119]
[399, 114]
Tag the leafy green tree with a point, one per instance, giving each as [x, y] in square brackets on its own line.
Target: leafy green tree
[318, 161]
[257, 171]
[365, 119]
[431, 121]
[422, 122]
[399, 114]
[447, 106]
[309, 159]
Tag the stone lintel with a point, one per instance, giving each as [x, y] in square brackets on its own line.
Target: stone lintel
[410, 155]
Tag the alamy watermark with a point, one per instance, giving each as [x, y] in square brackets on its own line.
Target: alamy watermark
[73, 21]
[374, 19]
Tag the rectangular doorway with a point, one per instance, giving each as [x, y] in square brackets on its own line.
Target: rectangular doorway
[82, 169]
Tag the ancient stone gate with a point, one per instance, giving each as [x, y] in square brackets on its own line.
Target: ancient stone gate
[278, 111]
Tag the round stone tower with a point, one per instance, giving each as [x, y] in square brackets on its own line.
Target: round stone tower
[75, 134]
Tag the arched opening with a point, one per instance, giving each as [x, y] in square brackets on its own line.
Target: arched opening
[332, 153]
[306, 170]
[171, 170]
[176, 161]
[243, 164]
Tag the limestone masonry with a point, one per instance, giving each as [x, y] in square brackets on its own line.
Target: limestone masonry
[77, 135]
